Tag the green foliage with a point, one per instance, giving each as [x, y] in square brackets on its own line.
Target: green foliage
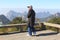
[55, 20]
[51, 28]
[17, 20]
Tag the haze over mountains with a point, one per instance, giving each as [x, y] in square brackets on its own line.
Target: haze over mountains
[41, 14]
[50, 17]
[12, 14]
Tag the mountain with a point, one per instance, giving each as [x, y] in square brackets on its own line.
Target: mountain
[12, 14]
[4, 19]
[54, 15]
[57, 14]
[50, 17]
[43, 14]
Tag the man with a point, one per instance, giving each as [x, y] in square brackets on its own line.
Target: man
[31, 21]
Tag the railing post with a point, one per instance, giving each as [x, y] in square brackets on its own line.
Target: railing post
[43, 27]
[18, 28]
[57, 30]
[21, 28]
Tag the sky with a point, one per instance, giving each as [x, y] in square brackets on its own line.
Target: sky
[43, 4]
[22, 5]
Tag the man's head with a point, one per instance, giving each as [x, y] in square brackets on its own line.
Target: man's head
[29, 7]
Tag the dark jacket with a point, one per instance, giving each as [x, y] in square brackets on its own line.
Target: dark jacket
[31, 17]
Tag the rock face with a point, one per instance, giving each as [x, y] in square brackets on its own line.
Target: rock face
[4, 19]
[12, 14]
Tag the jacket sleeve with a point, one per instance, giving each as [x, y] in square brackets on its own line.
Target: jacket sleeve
[29, 14]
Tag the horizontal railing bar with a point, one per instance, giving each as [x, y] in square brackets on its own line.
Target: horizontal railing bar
[52, 25]
[10, 25]
[22, 24]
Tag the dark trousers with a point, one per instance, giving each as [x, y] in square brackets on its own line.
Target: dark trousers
[31, 29]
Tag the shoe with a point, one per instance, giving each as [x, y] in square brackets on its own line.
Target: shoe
[29, 35]
[34, 33]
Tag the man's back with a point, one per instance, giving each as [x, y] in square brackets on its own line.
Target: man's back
[31, 17]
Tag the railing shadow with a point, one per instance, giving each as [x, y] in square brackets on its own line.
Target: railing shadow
[12, 33]
[43, 34]
[47, 34]
[16, 32]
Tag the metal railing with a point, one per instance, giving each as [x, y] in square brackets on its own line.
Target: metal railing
[19, 27]
[57, 26]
